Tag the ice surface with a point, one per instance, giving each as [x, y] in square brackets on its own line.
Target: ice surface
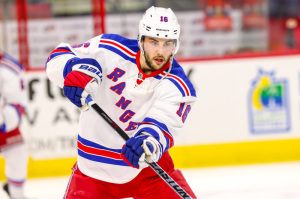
[258, 181]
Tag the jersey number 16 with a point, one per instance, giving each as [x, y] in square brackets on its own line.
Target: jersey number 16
[183, 114]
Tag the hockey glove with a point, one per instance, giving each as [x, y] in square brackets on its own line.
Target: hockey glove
[137, 148]
[82, 78]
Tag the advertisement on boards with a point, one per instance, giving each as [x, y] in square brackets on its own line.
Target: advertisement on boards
[269, 104]
[50, 124]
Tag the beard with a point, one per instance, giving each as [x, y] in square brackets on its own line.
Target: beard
[149, 63]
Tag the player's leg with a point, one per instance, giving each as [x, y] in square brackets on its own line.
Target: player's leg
[153, 187]
[179, 178]
[81, 186]
[16, 169]
[156, 188]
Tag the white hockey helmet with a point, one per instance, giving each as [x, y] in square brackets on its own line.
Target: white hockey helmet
[160, 23]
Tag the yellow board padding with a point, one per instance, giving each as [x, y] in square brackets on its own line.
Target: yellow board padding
[190, 157]
[45, 168]
[2, 164]
[236, 153]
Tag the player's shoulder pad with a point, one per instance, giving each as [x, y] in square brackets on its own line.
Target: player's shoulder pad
[120, 42]
[11, 64]
[179, 79]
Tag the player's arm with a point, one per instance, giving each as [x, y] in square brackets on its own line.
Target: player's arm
[158, 130]
[14, 98]
[75, 70]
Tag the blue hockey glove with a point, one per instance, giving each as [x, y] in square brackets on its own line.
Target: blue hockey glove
[78, 86]
[137, 148]
[82, 78]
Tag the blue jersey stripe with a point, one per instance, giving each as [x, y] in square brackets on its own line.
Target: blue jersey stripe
[95, 145]
[11, 59]
[59, 53]
[101, 159]
[97, 157]
[117, 51]
[10, 68]
[178, 72]
[178, 86]
[161, 126]
[129, 43]
[11, 64]
[64, 50]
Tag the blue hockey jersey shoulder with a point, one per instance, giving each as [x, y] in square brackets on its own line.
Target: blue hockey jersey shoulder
[180, 80]
[126, 48]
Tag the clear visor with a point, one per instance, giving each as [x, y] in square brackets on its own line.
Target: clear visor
[160, 47]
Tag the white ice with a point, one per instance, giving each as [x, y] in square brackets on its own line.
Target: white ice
[257, 181]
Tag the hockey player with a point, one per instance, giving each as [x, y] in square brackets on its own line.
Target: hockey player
[144, 90]
[12, 106]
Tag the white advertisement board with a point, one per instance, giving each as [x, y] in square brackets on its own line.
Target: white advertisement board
[51, 121]
[244, 100]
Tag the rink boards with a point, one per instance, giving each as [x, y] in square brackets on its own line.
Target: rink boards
[247, 112]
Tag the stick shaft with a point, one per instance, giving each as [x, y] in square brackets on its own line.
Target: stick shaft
[110, 121]
[181, 192]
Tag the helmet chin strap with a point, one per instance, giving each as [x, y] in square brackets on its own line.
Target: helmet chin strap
[143, 54]
[142, 50]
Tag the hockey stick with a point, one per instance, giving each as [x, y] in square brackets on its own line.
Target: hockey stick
[181, 192]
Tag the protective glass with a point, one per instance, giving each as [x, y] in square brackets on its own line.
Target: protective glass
[160, 47]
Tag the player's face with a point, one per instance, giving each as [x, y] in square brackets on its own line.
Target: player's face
[157, 52]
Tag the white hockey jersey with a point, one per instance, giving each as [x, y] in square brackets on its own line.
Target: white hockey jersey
[157, 103]
[12, 92]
